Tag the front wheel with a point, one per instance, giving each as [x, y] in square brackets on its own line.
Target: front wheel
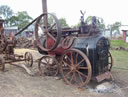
[48, 66]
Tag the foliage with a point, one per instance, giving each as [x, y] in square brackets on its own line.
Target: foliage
[6, 12]
[115, 27]
[63, 22]
[118, 43]
[21, 19]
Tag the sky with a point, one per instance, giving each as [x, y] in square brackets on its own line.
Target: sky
[110, 10]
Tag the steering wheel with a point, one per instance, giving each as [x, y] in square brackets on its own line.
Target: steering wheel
[47, 32]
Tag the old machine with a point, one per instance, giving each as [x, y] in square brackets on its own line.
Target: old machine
[78, 54]
[7, 56]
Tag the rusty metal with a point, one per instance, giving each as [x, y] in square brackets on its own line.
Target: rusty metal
[48, 65]
[44, 7]
[7, 56]
[28, 59]
[51, 39]
[110, 64]
[71, 68]
[2, 64]
[103, 76]
[67, 42]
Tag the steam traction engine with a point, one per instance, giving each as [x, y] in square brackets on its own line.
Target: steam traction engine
[78, 54]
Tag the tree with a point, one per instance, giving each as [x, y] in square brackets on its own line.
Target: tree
[6, 12]
[21, 19]
[63, 22]
[116, 27]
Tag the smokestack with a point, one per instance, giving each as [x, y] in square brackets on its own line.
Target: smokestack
[44, 7]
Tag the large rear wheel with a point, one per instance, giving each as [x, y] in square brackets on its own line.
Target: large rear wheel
[75, 68]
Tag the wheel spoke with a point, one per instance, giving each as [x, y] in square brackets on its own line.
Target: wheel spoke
[46, 60]
[29, 55]
[80, 62]
[66, 68]
[68, 73]
[41, 36]
[51, 36]
[49, 65]
[66, 64]
[80, 77]
[81, 73]
[76, 58]
[72, 77]
[83, 67]
[53, 67]
[51, 26]
[43, 63]
[71, 58]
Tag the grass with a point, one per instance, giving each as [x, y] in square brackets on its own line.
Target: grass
[120, 59]
[118, 43]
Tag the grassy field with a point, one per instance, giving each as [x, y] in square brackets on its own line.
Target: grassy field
[120, 59]
[118, 43]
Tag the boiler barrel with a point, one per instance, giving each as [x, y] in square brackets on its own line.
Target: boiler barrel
[96, 49]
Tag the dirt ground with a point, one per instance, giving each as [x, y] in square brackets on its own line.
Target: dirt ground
[15, 82]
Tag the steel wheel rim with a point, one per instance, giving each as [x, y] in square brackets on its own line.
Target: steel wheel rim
[76, 70]
[110, 64]
[2, 63]
[28, 59]
[48, 66]
[67, 42]
[41, 45]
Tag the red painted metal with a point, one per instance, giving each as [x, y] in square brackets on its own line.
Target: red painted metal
[124, 35]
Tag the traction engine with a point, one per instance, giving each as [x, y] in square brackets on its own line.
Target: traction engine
[78, 54]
